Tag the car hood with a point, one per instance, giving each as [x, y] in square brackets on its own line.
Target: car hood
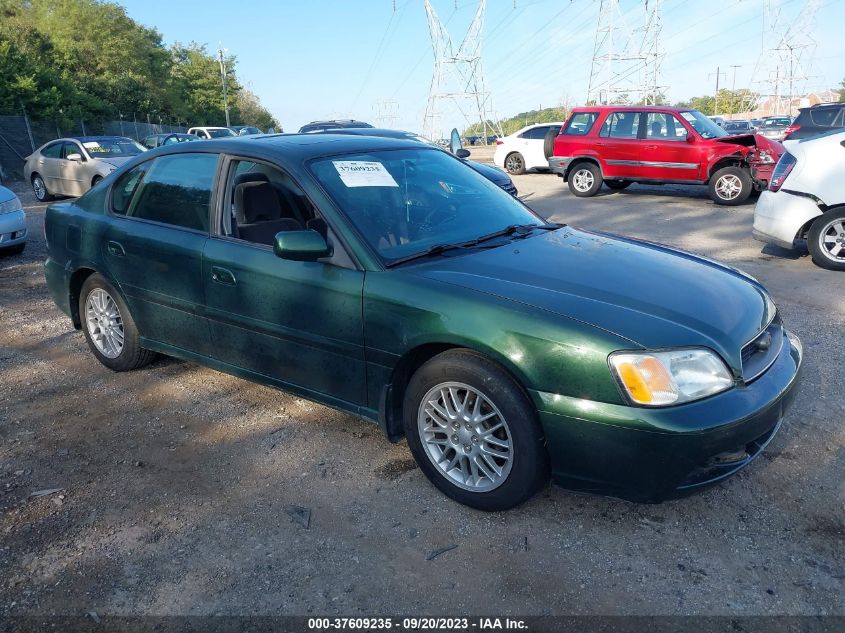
[6, 194]
[493, 174]
[650, 294]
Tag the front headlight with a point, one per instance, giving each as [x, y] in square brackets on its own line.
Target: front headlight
[659, 379]
[10, 206]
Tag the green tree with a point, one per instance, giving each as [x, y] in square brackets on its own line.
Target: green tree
[249, 111]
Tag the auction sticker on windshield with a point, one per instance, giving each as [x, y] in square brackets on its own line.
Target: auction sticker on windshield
[358, 173]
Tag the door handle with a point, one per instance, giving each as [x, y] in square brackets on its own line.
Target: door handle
[650, 146]
[222, 276]
[115, 249]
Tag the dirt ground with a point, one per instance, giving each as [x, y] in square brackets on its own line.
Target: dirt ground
[187, 491]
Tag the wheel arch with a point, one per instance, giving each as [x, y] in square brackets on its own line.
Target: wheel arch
[75, 282]
[725, 161]
[582, 159]
[393, 394]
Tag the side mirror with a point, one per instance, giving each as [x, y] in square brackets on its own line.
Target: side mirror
[462, 153]
[455, 141]
[301, 246]
[76, 158]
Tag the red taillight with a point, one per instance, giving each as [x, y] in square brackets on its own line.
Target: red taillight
[782, 170]
[790, 130]
[499, 141]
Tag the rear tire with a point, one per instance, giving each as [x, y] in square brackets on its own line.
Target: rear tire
[584, 179]
[109, 328]
[515, 164]
[39, 188]
[617, 185]
[463, 414]
[730, 186]
[826, 240]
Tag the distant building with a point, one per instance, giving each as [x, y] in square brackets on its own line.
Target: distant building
[773, 106]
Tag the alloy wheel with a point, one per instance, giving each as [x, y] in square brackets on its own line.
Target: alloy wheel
[39, 188]
[583, 179]
[465, 436]
[104, 323]
[832, 240]
[513, 163]
[728, 187]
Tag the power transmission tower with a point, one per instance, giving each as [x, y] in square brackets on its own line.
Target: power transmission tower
[458, 77]
[781, 72]
[626, 62]
[387, 113]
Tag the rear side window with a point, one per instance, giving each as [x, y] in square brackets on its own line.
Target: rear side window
[825, 117]
[580, 123]
[52, 151]
[621, 125]
[535, 133]
[172, 190]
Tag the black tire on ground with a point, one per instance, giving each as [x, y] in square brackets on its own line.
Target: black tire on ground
[44, 196]
[617, 185]
[13, 250]
[515, 164]
[530, 462]
[549, 142]
[584, 179]
[826, 240]
[132, 355]
[730, 186]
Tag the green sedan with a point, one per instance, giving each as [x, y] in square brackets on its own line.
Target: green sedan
[389, 280]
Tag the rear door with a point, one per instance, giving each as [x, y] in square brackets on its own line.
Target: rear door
[618, 145]
[665, 151]
[159, 225]
[534, 141]
[49, 165]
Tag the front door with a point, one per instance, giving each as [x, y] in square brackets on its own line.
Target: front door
[73, 173]
[154, 243]
[295, 322]
[666, 152]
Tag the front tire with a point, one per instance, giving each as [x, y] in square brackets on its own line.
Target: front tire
[730, 186]
[826, 240]
[109, 328]
[39, 188]
[584, 179]
[473, 431]
[515, 164]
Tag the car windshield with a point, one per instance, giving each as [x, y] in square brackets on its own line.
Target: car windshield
[405, 202]
[248, 130]
[220, 132]
[703, 125]
[113, 148]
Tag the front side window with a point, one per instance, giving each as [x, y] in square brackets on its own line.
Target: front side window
[172, 190]
[71, 148]
[403, 202]
[580, 124]
[664, 127]
[621, 125]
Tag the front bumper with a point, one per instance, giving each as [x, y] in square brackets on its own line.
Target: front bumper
[558, 164]
[779, 215]
[650, 455]
[12, 229]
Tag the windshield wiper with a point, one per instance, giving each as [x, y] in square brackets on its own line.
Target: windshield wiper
[523, 230]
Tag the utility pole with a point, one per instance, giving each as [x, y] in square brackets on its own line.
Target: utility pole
[733, 90]
[718, 74]
[220, 51]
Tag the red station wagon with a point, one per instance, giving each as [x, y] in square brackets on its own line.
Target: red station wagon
[618, 145]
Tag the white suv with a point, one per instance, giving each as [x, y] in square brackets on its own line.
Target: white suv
[806, 200]
[525, 149]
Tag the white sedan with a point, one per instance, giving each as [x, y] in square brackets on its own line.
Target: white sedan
[525, 149]
[806, 200]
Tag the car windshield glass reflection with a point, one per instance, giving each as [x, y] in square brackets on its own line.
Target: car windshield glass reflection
[703, 125]
[405, 202]
[220, 133]
[113, 148]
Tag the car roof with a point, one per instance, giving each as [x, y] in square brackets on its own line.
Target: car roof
[640, 108]
[91, 139]
[295, 147]
[369, 131]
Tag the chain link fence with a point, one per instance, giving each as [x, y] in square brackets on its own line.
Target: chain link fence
[20, 136]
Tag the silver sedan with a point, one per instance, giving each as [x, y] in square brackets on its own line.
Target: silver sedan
[71, 166]
[12, 222]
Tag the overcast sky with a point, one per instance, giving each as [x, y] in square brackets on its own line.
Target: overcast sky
[312, 59]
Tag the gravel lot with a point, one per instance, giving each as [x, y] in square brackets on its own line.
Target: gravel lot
[186, 491]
